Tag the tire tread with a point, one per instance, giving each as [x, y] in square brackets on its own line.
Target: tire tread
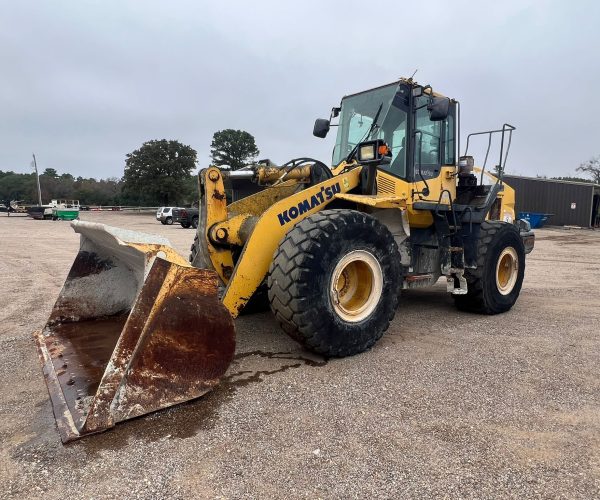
[289, 274]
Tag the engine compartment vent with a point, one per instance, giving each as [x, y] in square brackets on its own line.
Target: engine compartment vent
[385, 186]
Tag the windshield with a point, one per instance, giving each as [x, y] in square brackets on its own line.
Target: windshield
[356, 119]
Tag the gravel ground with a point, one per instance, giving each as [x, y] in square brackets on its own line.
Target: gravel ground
[445, 405]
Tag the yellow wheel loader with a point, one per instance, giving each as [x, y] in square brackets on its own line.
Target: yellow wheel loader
[137, 327]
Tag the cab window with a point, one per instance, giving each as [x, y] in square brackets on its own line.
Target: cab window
[393, 132]
[428, 137]
[449, 144]
[359, 126]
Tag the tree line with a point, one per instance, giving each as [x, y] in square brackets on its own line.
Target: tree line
[160, 172]
[23, 188]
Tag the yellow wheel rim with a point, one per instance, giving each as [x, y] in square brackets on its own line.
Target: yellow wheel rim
[507, 270]
[356, 285]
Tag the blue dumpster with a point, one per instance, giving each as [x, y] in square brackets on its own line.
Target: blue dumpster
[535, 219]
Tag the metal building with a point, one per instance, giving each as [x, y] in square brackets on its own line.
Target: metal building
[572, 203]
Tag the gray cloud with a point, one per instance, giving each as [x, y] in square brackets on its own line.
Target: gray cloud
[83, 83]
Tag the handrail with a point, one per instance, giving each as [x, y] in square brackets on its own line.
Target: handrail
[437, 208]
[503, 155]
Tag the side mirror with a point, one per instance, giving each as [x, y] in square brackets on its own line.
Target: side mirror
[439, 108]
[321, 128]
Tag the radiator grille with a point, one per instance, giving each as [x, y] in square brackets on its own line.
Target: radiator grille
[385, 185]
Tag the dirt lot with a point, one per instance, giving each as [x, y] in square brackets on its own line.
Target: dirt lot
[446, 405]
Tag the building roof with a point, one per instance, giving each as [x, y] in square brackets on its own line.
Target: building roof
[543, 179]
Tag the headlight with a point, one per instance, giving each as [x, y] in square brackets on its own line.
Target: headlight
[375, 151]
[366, 152]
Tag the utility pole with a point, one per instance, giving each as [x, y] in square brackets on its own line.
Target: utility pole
[37, 176]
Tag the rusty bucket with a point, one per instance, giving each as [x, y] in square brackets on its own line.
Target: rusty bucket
[135, 329]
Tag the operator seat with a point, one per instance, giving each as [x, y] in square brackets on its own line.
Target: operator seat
[434, 152]
[398, 165]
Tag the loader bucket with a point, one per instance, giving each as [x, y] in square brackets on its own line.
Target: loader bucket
[134, 329]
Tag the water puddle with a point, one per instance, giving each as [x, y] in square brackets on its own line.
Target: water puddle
[188, 419]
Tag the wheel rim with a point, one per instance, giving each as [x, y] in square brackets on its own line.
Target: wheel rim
[507, 270]
[356, 285]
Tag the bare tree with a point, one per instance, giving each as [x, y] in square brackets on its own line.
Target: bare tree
[591, 168]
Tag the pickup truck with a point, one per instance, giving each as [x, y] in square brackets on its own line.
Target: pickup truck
[187, 217]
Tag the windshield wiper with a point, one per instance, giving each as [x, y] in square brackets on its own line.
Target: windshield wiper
[371, 128]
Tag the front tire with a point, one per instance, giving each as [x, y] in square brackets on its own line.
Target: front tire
[169, 221]
[334, 281]
[494, 286]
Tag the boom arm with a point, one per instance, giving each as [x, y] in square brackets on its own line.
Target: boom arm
[281, 211]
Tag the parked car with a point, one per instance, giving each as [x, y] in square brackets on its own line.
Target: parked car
[165, 215]
[188, 217]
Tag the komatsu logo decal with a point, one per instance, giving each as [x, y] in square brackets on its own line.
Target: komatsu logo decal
[307, 204]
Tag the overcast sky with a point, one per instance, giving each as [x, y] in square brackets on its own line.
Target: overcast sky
[83, 83]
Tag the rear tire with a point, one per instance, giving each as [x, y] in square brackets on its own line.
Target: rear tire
[496, 283]
[185, 225]
[193, 249]
[333, 283]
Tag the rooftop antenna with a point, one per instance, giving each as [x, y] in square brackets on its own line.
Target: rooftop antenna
[412, 76]
[37, 176]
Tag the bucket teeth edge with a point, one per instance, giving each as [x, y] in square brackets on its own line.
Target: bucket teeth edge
[64, 420]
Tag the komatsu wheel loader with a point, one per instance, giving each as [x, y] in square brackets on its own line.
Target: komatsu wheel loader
[137, 327]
